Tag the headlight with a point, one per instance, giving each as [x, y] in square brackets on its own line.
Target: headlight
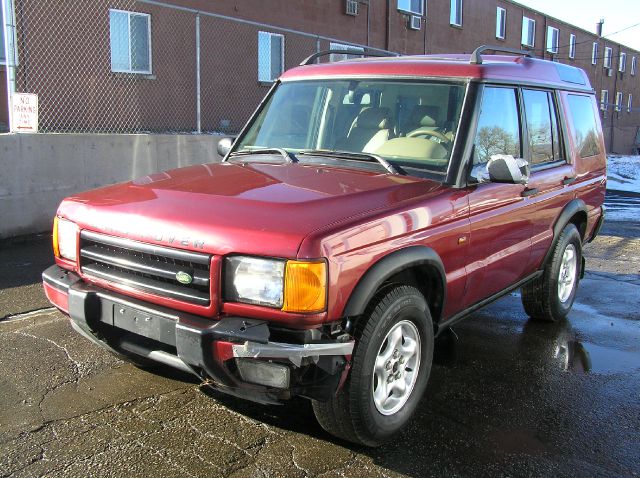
[293, 286]
[65, 237]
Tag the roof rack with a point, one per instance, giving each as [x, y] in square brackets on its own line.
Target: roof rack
[310, 59]
[476, 58]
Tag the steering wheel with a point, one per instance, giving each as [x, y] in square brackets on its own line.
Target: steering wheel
[428, 132]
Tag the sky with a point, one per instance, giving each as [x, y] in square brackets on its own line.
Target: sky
[617, 14]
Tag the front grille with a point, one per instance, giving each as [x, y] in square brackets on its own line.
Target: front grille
[146, 267]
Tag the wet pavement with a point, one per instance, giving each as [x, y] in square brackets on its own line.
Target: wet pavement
[507, 397]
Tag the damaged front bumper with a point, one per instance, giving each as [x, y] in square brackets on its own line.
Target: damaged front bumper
[234, 354]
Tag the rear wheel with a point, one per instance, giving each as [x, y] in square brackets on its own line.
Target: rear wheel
[390, 369]
[550, 297]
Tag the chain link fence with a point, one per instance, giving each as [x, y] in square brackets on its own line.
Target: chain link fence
[134, 66]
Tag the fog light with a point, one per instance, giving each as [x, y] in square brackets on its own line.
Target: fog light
[264, 373]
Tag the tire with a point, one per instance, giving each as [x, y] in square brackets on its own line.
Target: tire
[549, 298]
[398, 319]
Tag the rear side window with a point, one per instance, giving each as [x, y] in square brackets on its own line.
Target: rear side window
[585, 128]
[498, 126]
[542, 126]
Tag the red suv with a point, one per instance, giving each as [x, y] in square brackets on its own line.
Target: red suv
[367, 206]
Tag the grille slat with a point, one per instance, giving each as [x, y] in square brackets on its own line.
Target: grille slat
[146, 267]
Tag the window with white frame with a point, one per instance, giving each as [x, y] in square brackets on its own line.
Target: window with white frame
[501, 23]
[130, 35]
[411, 6]
[572, 46]
[633, 65]
[455, 14]
[552, 40]
[594, 53]
[528, 32]
[619, 97]
[608, 53]
[630, 103]
[622, 62]
[347, 48]
[604, 100]
[270, 56]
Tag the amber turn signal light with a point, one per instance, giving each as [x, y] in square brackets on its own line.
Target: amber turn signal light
[305, 287]
[56, 248]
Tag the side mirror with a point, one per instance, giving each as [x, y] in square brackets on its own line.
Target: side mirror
[502, 168]
[224, 146]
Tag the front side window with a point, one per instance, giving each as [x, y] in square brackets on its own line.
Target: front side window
[528, 32]
[552, 40]
[411, 124]
[594, 54]
[608, 52]
[501, 23]
[498, 129]
[411, 6]
[572, 46]
[343, 47]
[455, 14]
[622, 63]
[270, 56]
[542, 126]
[130, 35]
[584, 127]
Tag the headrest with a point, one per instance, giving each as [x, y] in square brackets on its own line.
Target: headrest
[373, 118]
[427, 121]
[424, 115]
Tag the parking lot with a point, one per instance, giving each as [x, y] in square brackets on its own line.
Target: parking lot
[507, 397]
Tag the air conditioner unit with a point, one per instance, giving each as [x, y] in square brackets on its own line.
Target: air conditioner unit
[351, 7]
[415, 22]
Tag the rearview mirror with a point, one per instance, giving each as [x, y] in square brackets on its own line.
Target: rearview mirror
[224, 146]
[502, 168]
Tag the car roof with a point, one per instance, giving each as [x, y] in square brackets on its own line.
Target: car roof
[501, 68]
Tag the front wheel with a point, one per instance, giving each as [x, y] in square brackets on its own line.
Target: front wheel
[550, 297]
[390, 369]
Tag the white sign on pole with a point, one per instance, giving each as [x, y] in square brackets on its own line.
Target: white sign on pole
[24, 107]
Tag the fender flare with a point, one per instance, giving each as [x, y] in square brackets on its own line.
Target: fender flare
[572, 208]
[390, 265]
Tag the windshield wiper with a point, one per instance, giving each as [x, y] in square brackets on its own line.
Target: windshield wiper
[348, 155]
[289, 157]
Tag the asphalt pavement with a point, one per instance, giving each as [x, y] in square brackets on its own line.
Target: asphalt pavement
[507, 396]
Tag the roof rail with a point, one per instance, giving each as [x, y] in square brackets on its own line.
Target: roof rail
[476, 58]
[310, 59]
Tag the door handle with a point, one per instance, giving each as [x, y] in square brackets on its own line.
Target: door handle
[568, 180]
[529, 192]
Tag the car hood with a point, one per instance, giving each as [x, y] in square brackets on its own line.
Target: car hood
[250, 208]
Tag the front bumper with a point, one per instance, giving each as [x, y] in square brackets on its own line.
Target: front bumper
[208, 348]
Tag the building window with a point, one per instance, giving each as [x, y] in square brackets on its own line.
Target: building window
[633, 65]
[630, 103]
[594, 54]
[622, 63]
[501, 23]
[528, 32]
[552, 40]
[619, 97]
[3, 59]
[572, 46]
[344, 56]
[604, 100]
[130, 35]
[411, 6]
[608, 53]
[270, 56]
[455, 14]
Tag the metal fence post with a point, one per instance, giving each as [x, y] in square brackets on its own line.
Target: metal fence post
[198, 105]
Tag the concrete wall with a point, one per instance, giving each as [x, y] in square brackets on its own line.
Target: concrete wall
[38, 170]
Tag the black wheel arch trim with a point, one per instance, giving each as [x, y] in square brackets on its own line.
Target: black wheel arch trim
[387, 267]
[572, 208]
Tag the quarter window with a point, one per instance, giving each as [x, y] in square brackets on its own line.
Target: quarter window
[542, 126]
[583, 125]
[552, 40]
[528, 32]
[412, 6]
[501, 23]
[130, 35]
[498, 126]
[572, 46]
[455, 15]
[594, 54]
[270, 56]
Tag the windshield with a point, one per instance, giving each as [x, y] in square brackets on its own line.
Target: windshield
[410, 124]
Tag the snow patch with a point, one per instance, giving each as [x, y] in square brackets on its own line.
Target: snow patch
[623, 173]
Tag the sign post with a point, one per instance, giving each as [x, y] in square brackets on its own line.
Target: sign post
[24, 113]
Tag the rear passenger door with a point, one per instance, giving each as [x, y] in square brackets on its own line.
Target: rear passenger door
[548, 189]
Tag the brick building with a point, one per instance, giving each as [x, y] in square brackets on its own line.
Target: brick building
[202, 66]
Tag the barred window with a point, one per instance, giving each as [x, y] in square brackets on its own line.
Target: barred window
[270, 56]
